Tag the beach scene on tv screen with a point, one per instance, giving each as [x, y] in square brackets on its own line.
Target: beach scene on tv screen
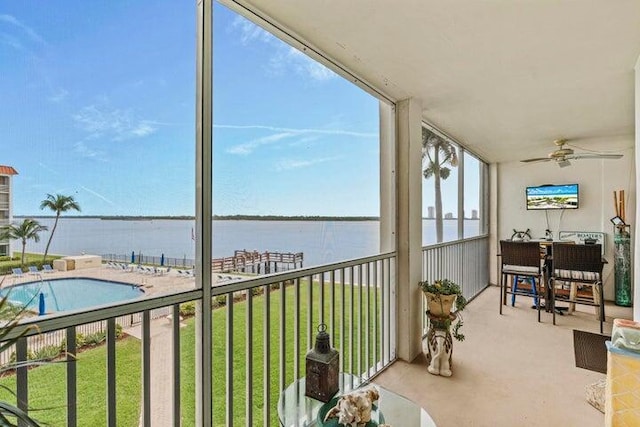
[553, 197]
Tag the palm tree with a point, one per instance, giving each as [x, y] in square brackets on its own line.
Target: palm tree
[437, 153]
[58, 203]
[29, 229]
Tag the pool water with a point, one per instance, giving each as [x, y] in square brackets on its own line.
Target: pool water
[70, 294]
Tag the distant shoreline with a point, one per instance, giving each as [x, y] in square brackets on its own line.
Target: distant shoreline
[225, 217]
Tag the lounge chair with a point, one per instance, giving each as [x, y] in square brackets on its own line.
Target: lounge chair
[185, 273]
[17, 272]
[33, 269]
[47, 269]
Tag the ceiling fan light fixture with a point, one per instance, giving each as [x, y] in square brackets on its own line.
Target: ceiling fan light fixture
[563, 163]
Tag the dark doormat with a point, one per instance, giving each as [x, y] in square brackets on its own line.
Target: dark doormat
[590, 350]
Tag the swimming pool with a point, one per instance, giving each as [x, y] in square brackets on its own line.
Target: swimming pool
[70, 294]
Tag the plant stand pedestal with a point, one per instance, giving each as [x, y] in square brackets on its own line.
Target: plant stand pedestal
[438, 347]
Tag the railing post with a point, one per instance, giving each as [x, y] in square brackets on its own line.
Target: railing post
[111, 372]
[72, 418]
[22, 388]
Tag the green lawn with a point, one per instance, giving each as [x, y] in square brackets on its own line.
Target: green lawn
[240, 351]
[47, 387]
[47, 384]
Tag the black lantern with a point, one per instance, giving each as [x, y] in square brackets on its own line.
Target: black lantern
[323, 366]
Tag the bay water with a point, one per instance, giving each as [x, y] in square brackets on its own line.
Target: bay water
[321, 242]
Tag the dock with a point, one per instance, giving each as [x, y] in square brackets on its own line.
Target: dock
[255, 262]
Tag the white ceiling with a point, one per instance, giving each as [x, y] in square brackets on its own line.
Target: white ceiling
[503, 77]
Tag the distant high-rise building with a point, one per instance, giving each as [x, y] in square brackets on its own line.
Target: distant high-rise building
[431, 212]
[448, 215]
[6, 207]
[474, 214]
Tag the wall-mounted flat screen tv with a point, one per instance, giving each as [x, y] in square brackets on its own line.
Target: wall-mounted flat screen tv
[552, 197]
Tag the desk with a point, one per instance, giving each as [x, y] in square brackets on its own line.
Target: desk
[297, 410]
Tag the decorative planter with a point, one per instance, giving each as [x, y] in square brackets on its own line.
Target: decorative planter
[439, 305]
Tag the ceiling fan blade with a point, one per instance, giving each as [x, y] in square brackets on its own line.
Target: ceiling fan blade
[539, 159]
[594, 156]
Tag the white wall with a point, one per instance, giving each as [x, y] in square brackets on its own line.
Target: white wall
[597, 180]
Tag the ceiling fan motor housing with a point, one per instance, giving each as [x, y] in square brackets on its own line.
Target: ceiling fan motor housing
[558, 154]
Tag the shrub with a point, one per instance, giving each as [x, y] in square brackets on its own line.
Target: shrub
[80, 342]
[13, 358]
[188, 309]
[220, 300]
[95, 338]
[48, 352]
[10, 311]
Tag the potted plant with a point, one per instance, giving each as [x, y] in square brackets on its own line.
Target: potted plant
[445, 301]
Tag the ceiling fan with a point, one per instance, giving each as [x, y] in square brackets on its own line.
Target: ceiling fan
[563, 154]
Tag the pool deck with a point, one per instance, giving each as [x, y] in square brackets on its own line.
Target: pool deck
[153, 284]
[161, 341]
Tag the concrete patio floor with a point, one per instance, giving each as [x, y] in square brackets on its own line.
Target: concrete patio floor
[510, 370]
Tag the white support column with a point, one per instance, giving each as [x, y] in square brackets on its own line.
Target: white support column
[460, 213]
[493, 221]
[387, 177]
[408, 149]
[634, 237]
[204, 209]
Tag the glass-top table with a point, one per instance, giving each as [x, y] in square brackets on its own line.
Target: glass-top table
[297, 410]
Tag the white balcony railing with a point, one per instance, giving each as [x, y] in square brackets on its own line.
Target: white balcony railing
[465, 262]
[274, 317]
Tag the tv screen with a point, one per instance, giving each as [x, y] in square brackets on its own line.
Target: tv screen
[552, 197]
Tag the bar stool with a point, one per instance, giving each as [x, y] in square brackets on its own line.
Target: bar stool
[520, 260]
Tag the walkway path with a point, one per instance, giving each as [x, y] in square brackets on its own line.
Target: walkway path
[161, 369]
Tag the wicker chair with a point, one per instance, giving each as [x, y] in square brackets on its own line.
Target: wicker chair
[576, 277]
[521, 260]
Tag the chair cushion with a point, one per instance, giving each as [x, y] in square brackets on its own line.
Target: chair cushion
[576, 274]
[520, 269]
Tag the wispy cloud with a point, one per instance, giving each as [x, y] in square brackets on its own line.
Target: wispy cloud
[288, 164]
[48, 169]
[113, 123]
[83, 150]
[305, 134]
[285, 57]
[292, 58]
[250, 32]
[98, 195]
[11, 41]
[248, 147]
[30, 32]
[59, 95]
[301, 130]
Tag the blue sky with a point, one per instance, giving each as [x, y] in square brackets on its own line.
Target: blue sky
[98, 102]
